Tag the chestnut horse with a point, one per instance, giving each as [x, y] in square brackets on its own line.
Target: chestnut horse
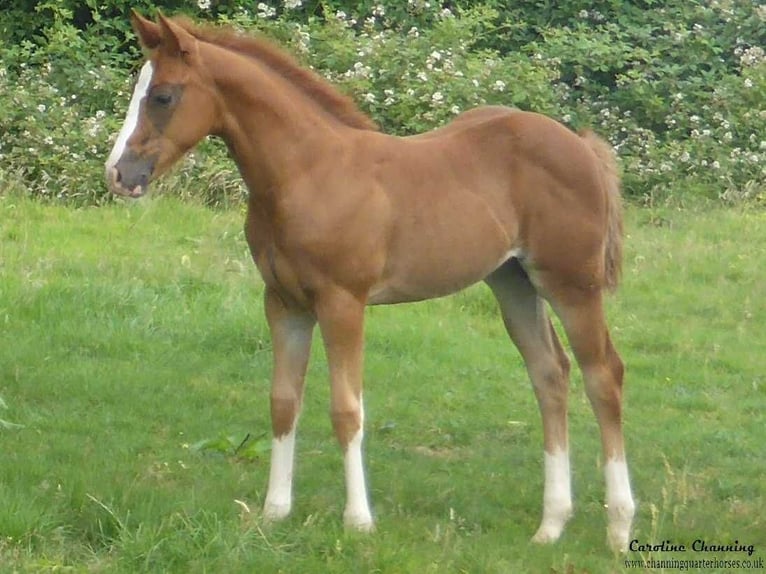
[341, 216]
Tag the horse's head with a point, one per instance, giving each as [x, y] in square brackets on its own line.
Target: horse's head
[173, 107]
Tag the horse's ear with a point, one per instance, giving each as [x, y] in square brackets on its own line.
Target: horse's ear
[147, 31]
[176, 40]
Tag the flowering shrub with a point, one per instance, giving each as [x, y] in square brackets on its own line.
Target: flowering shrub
[677, 87]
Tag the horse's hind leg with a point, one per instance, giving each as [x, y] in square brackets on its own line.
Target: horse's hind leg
[582, 315]
[529, 326]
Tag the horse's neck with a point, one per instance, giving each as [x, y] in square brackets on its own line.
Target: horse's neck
[272, 130]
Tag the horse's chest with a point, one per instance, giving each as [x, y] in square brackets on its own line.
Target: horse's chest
[279, 273]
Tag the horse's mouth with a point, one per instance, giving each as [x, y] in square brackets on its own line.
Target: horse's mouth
[115, 186]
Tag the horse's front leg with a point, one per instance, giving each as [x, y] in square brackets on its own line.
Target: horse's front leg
[291, 331]
[341, 320]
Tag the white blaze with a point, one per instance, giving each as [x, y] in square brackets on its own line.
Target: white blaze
[131, 119]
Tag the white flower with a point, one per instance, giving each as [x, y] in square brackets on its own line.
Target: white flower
[266, 11]
[455, 110]
[293, 4]
[304, 39]
[369, 98]
[379, 10]
[715, 165]
[41, 108]
[748, 83]
[499, 86]
[437, 98]
[203, 4]
[100, 114]
[360, 70]
[752, 56]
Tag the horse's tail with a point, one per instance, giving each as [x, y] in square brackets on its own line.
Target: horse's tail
[614, 227]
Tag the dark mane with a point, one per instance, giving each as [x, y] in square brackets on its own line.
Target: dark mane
[309, 82]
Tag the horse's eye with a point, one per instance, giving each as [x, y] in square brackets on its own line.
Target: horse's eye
[163, 99]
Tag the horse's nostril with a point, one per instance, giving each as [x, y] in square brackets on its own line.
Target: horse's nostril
[117, 176]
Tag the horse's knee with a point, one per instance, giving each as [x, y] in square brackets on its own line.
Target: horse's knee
[284, 412]
[550, 380]
[346, 424]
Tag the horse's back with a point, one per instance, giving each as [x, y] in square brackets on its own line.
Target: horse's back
[465, 121]
[542, 181]
[516, 136]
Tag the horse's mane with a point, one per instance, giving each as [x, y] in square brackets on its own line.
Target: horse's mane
[307, 81]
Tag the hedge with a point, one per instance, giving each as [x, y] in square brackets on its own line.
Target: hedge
[678, 87]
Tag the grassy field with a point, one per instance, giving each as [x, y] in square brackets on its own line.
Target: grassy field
[134, 358]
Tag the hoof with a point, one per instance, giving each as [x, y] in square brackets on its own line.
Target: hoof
[548, 533]
[274, 512]
[618, 536]
[358, 522]
[555, 517]
[620, 521]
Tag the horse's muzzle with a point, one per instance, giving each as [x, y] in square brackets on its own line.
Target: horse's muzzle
[130, 176]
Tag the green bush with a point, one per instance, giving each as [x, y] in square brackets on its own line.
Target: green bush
[677, 87]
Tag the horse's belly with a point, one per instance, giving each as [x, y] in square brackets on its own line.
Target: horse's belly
[418, 287]
[445, 248]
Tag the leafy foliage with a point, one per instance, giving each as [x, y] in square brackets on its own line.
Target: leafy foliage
[677, 87]
[247, 448]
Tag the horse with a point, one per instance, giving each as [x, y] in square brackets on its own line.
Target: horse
[341, 216]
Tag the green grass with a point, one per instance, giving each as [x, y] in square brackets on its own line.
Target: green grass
[130, 332]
